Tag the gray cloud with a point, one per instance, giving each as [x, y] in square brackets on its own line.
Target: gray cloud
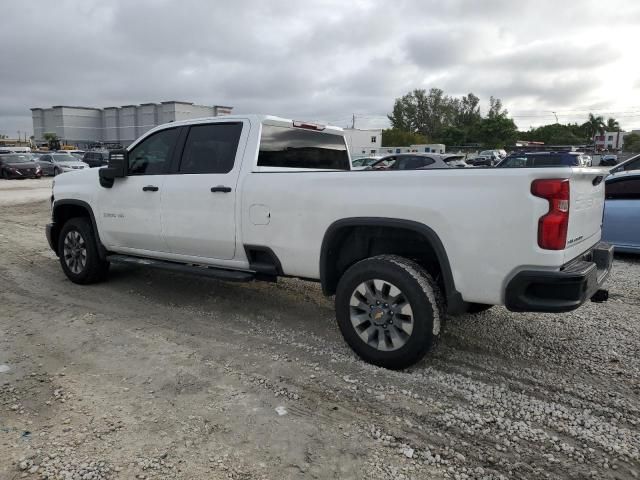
[320, 60]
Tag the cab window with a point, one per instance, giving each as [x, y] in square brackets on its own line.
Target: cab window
[153, 155]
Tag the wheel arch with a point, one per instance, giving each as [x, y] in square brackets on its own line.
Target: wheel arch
[332, 268]
[66, 209]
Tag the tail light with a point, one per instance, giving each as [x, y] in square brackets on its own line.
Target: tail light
[553, 226]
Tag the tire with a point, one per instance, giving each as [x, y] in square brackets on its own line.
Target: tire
[77, 238]
[56, 172]
[5, 175]
[369, 327]
[474, 308]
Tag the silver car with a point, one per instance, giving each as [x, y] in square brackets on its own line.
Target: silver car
[57, 163]
[410, 161]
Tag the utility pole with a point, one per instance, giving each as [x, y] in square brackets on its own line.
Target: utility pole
[353, 121]
[556, 115]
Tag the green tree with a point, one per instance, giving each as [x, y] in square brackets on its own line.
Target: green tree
[594, 126]
[394, 137]
[555, 134]
[632, 142]
[612, 125]
[52, 139]
[497, 131]
[427, 113]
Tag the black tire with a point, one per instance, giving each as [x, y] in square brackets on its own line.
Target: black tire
[474, 308]
[94, 269]
[5, 175]
[56, 172]
[418, 289]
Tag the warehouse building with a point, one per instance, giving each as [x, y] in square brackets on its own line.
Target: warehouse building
[83, 126]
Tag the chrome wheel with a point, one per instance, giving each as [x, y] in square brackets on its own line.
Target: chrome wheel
[75, 251]
[381, 315]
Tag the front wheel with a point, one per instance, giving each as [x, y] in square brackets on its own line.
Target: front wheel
[56, 172]
[389, 310]
[78, 252]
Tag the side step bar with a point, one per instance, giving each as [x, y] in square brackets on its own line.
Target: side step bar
[204, 271]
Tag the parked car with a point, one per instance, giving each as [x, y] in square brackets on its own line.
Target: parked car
[632, 163]
[482, 161]
[96, 158]
[230, 197]
[457, 161]
[76, 153]
[545, 159]
[16, 165]
[496, 154]
[608, 160]
[57, 163]
[362, 163]
[409, 161]
[621, 222]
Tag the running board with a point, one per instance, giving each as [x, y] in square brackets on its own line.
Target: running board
[204, 271]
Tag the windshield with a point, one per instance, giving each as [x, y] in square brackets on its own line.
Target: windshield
[16, 158]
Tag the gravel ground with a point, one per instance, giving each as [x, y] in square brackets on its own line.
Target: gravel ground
[161, 376]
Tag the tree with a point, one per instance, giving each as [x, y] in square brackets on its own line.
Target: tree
[52, 139]
[612, 125]
[497, 131]
[594, 126]
[556, 134]
[424, 113]
[632, 142]
[394, 137]
[495, 108]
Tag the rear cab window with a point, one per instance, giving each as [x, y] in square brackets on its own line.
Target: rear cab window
[283, 147]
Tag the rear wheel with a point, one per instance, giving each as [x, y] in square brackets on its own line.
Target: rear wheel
[389, 310]
[56, 171]
[78, 252]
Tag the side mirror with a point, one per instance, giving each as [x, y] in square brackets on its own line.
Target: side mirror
[117, 168]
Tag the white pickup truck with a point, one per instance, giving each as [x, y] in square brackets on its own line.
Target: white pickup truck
[257, 197]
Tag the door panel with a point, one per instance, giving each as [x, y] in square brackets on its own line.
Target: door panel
[622, 222]
[129, 216]
[130, 213]
[199, 201]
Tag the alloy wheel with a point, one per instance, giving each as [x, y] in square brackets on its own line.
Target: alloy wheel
[381, 315]
[75, 251]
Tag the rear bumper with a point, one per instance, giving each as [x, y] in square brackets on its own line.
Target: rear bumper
[563, 290]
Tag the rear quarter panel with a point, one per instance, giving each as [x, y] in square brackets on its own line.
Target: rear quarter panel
[486, 219]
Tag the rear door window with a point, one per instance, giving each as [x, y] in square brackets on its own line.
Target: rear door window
[211, 148]
[287, 147]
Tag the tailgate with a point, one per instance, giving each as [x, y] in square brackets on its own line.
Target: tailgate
[586, 206]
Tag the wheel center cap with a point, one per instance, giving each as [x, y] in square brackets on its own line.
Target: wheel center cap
[379, 315]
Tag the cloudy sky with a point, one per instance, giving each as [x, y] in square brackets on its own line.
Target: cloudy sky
[321, 60]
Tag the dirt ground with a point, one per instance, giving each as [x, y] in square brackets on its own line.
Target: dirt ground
[158, 375]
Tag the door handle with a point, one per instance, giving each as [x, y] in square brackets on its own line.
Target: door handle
[221, 188]
[150, 188]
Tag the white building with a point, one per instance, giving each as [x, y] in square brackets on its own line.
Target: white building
[363, 142]
[610, 140]
[83, 126]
